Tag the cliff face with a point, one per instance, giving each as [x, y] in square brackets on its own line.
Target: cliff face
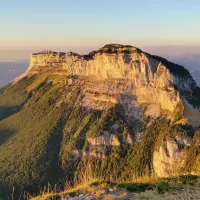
[123, 70]
[118, 111]
[170, 158]
[134, 79]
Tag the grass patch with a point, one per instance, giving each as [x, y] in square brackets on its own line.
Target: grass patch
[137, 187]
[162, 187]
[55, 196]
[180, 181]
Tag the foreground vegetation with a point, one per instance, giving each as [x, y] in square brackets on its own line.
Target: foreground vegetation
[182, 187]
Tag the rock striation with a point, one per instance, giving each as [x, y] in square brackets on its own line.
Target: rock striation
[170, 158]
[142, 85]
[128, 75]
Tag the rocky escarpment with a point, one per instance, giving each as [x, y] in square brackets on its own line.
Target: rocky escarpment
[128, 75]
[170, 158]
[117, 113]
[144, 85]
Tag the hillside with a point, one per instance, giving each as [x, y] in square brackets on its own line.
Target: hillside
[115, 114]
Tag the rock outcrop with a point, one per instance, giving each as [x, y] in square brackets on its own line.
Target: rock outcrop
[104, 140]
[134, 79]
[126, 75]
[140, 89]
[170, 158]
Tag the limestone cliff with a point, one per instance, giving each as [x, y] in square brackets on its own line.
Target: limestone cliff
[126, 74]
[142, 85]
[170, 158]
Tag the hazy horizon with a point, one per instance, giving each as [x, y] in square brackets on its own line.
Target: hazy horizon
[164, 28]
[82, 26]
[10, 69]
[169, 52]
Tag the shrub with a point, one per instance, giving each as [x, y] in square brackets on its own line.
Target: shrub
[162, 187]
[137, 187]
[189, 179]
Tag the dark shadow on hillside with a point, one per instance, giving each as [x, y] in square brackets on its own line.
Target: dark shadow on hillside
[54, 174]
[7, 111]
[194, 97]
[173, 68]
[5, 190]
[5, 134]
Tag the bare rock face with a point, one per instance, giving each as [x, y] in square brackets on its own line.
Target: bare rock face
[87, 154]
[128, 139]
[105, 139]
[170, 158]
[121, 74]
[142, 84]
[96, 146]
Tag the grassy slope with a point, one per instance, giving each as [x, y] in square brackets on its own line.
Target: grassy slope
[42, 121]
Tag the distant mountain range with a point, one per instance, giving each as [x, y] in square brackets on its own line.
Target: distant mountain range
[192, 63]
[10, 70]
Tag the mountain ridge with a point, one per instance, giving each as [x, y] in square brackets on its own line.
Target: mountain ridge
[114, 49]
[116, 113]
[123, 62]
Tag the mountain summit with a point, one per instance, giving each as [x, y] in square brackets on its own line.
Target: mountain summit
[116, 113]
[142, 77]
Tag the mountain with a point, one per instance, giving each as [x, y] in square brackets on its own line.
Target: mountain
[196, 75]
[11, 70]
[192, 63]
[117, 113]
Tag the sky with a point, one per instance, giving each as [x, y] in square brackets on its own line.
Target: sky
[157, 26]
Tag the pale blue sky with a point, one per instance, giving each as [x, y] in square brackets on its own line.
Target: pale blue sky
[83, 25]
